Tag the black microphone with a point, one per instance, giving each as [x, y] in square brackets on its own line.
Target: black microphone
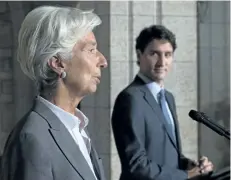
[202, 118]
[220, 127]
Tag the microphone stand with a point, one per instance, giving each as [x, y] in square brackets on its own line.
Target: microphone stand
[223, 174]
[216, 127]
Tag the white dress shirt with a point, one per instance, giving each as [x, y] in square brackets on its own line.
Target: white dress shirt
[75, 125]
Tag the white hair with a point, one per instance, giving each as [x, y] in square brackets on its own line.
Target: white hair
[49, 31]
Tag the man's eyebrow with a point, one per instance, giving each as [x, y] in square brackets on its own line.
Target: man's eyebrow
[157, 51]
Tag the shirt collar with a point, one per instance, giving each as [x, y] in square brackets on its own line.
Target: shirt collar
[79, 114]
[152, 86]
[69, 120]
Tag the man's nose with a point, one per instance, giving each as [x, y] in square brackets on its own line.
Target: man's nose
[161, 60]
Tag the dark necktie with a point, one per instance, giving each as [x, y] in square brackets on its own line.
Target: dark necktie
[163, 105]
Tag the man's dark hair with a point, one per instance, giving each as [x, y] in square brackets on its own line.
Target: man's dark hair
[158, 32]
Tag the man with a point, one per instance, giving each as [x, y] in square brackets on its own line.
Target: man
[58, 51]
[144, 118]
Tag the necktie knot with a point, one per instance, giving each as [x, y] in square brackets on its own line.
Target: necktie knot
[162, 94]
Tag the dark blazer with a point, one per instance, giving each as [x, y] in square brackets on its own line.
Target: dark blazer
[143, 139]
[41, 148]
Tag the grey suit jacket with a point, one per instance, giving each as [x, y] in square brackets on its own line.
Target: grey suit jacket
[41, 148]
[143, 139]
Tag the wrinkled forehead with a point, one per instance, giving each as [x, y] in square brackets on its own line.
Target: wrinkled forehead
[88, 39]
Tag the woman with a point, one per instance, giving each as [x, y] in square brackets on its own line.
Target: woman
[58, 51]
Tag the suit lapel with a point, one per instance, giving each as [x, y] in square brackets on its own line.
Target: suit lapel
[72, 152]
[148, 97]
[95, 159]
[65, 141]
[173, 111]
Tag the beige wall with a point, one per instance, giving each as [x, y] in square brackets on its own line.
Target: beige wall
[214, 80]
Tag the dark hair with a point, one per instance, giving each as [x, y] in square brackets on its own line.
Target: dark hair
[154, 32]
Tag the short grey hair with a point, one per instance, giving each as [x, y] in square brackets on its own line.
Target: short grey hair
[49, 31]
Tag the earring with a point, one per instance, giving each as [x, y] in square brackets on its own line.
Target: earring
[63, 74]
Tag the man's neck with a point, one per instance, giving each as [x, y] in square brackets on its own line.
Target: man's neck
[149, 80]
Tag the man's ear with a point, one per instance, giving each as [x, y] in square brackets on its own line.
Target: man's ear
[56, 64]
[138, 54]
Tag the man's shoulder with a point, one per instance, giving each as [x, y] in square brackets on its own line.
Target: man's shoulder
[169, 93]
[130, 90]
[129, 95]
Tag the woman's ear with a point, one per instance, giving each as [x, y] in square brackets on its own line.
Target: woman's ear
[56, 64]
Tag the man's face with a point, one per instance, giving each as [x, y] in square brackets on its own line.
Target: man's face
[84, 69]
[156, 60]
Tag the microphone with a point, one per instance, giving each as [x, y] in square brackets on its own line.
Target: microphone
[202, 118]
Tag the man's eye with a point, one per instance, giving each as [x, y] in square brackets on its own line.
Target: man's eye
[152, 53]
[168, 55]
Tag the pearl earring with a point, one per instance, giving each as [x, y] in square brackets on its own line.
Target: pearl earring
[63, 74]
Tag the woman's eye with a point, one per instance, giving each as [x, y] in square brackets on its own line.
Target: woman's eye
[92, 50]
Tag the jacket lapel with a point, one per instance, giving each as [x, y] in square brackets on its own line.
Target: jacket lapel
[148, 97]
[96, 161]
[65, 141]
[172, 108]
[98, 166]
